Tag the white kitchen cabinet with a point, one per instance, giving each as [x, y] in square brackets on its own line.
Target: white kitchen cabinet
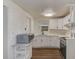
[67, 20]
[63, 21]
[53, 24]
[23, 51]
[46, 42]
[70, 19]
[72, 9]
[60, 23]
[37, 42]
[54, 42]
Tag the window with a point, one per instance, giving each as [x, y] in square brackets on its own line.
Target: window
[44, 28]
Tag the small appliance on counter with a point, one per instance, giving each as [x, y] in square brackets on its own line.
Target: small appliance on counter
[23, 48]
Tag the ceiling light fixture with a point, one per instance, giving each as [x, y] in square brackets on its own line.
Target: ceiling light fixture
[48, 12]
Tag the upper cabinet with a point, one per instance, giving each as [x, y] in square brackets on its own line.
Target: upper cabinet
[56, 27]
[52, 24]
[63, 23]
[57, 24]
[69, 21]
[60, 24]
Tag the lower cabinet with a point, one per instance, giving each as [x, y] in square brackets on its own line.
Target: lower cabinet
[46, 42]
[23, 51]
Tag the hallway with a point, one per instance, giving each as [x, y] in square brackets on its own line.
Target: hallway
[46, 53]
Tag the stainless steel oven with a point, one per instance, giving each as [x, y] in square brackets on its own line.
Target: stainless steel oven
[63, 46]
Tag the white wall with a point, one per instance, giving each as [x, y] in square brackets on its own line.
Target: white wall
[70, 49]
[37, 28]
[18, 19]
[5, 32]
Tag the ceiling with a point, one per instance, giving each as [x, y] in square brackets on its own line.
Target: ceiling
[36, 7]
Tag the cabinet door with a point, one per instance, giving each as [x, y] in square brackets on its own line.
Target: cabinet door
[37, 42]
[67, 19]
[60, 24]
[54, 42]
[73, 17]
[46, 42]
[53, 24]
